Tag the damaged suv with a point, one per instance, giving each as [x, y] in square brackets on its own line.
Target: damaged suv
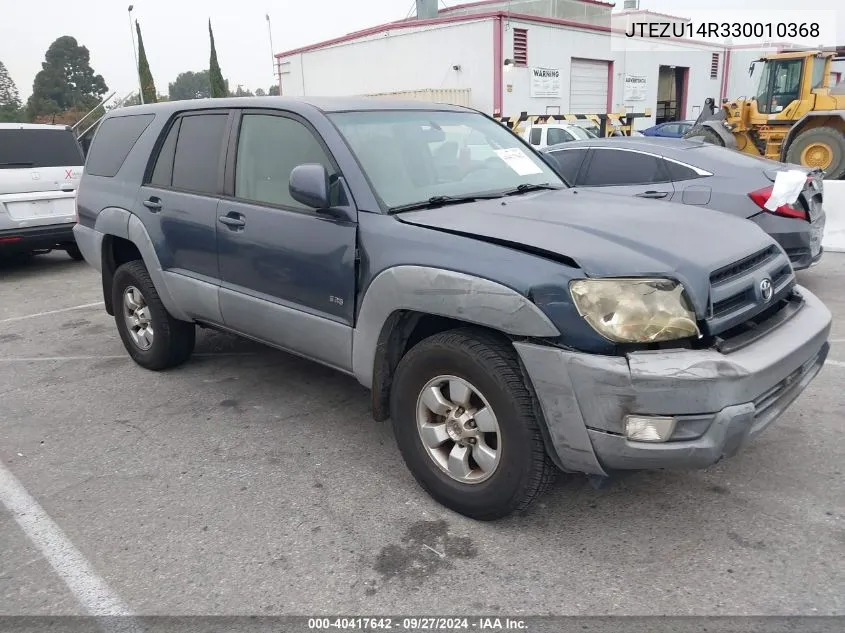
[508, 325]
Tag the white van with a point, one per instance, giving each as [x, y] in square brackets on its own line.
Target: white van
[40, 168]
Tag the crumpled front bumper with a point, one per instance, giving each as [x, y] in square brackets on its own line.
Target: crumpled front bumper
[720, 400]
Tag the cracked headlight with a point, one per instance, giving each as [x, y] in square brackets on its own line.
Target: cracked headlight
[635, 310]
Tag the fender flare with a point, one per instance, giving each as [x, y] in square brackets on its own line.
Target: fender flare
[121, 223]
[444, 293]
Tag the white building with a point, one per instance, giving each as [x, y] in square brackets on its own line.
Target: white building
[506, 57]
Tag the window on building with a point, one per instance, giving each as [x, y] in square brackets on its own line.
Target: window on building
[714, 66]
[520, 47]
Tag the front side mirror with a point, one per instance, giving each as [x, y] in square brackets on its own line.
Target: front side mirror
[309, 185]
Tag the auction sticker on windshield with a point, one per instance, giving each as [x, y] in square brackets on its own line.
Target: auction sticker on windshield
[517, 160]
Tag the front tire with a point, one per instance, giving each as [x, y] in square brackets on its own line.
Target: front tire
[464, 422]
[154, 339]
[820, 147]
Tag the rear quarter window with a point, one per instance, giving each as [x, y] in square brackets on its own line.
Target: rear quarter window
[33, 147]
[113, 142]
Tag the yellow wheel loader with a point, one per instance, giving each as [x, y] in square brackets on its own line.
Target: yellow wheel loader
[795, 117]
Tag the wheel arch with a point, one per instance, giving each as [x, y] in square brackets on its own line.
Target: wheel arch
[122, 232]
[405, 302]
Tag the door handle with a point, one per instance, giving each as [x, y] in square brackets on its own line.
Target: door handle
[153, 204]
[233, 220]
[653, 194]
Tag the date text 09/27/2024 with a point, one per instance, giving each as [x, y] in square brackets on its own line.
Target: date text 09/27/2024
[490, 624]
[722, 29]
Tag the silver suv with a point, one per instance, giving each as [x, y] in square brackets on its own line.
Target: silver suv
[40, 168]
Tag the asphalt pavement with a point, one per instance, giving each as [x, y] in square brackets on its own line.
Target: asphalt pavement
[249, 481]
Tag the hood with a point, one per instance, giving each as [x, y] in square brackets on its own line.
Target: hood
[608, 235]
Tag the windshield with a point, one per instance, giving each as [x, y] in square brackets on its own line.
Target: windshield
[414, 155]
[779, 85]
[33, 147]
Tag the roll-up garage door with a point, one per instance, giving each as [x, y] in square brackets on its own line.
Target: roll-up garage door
[588, 87]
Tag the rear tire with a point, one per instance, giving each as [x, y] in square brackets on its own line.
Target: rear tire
[74, 253]
[709, 135]
[823, 139]
[512, 467]
[154, 339]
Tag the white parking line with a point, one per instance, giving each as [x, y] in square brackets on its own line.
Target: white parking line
[90, 590]
[51, 359]
[835, 363]
[39, 314]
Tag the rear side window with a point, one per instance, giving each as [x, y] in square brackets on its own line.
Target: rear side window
[536, 135]
[163, 171]
[610, 167]
[113, 142]
[195, 163]
[680, 172]
[569, 162]
[22, 148]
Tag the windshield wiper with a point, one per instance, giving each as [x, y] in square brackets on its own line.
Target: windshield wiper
[439, 201]
[526, 187]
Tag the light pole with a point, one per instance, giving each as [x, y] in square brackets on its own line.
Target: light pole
[135, 53]
[273, 53]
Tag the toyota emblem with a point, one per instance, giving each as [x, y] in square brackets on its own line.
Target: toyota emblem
[766, 290]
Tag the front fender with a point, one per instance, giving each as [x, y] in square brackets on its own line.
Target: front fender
[444, 293]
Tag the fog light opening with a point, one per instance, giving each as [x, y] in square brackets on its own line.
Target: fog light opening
[644, 428]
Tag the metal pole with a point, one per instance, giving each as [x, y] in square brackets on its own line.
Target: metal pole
[75, 125]
[135, 53]
[273, 52]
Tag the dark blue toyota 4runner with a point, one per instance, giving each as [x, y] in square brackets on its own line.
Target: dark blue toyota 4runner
[507, 324]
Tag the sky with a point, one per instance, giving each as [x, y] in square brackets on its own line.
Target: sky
[176, 32]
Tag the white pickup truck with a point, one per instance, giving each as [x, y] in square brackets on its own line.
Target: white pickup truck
[544, 134]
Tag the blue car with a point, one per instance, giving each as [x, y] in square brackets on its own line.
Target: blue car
[671, 129]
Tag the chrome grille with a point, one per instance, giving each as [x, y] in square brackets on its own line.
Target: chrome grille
[735, 294]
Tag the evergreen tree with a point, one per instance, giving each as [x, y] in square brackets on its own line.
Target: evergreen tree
[148, 86]
[66, 80]
[10, 100]
[218, 84]
[190, 85]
